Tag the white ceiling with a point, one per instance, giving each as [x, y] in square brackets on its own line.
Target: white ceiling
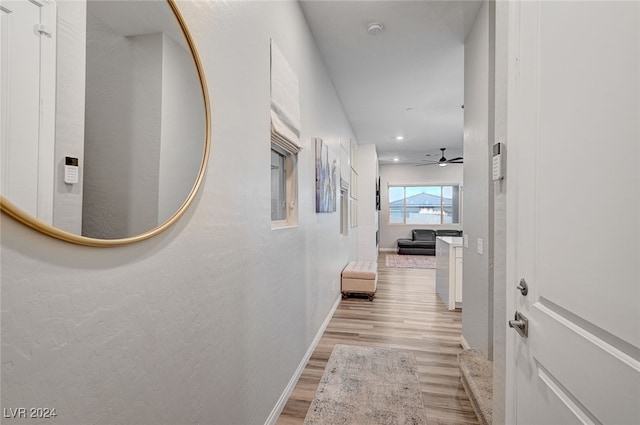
[408, 80]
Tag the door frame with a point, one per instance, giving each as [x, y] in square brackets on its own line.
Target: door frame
[506, 45]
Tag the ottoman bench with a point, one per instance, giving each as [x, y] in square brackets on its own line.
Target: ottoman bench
[360, 277]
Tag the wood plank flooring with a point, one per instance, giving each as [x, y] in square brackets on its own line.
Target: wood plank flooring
[406, 314]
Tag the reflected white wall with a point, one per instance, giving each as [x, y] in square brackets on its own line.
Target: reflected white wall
[70, 93]
[182, 129]
[122, 130]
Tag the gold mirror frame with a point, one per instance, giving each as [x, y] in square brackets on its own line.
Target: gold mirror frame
[16, 213]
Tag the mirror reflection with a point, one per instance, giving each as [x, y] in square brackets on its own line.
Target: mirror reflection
[103, 119]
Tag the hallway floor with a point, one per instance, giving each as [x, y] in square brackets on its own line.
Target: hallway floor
[406, 314]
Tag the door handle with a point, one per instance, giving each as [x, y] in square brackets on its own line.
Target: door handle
[520, 324]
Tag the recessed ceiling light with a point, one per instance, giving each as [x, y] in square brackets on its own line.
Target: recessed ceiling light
[374, 28]
[396, 159]
[399, 137]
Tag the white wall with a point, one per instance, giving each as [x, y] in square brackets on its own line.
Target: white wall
[409, 174]
[367, 212]
[144, 131]
[498, 18]
[182, 131]
[477, 319]
[70, 93]
[122, 130]
[207, 322]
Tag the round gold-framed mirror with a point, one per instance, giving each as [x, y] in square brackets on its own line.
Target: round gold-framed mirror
[156, 191]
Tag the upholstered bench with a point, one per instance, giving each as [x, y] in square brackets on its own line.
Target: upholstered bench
[360, 277]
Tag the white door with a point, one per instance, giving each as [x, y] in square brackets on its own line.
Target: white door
[573, 186]
[27, 105]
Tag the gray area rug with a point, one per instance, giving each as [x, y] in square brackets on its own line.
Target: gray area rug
[411, 261]
[368, 385]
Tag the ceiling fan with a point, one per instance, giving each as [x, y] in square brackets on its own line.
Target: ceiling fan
[443, 161]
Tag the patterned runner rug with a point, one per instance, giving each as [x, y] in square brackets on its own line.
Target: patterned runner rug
[412, 261]
[368, 385]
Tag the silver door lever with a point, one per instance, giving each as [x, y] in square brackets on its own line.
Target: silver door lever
[520, 324]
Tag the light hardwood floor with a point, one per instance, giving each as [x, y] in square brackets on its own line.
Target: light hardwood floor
[405, 314]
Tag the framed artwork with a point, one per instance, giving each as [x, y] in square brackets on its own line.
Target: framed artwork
[354, 212]
[353, 187]
[326, 178]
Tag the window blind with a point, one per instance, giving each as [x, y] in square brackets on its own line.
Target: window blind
[285, 106]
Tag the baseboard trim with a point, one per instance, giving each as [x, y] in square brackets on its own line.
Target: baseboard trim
[388, 249]
[282, 401]
[464, 343]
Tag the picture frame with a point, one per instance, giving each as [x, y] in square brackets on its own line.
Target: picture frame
[326, 177]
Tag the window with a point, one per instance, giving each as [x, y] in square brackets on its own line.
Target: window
[285, 141]
[283, 187]
[278, 185]
[424, 204]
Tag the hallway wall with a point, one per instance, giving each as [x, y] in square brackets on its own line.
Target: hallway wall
[477, 316]
[498, 24]
[207, 322]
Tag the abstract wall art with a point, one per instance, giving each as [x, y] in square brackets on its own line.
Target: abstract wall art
[326, 181]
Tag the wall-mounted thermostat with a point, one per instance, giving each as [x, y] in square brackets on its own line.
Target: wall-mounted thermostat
[497, 171]
[70, 170]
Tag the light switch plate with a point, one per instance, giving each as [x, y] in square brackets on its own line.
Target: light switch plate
[466, 240]
[480, 246]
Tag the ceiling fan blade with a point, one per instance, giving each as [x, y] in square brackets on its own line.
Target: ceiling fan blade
[442, 161]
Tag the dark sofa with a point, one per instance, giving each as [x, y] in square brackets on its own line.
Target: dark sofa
[423, 241]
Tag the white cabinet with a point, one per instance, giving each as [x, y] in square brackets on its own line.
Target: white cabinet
[458, 276]
[449, 271]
